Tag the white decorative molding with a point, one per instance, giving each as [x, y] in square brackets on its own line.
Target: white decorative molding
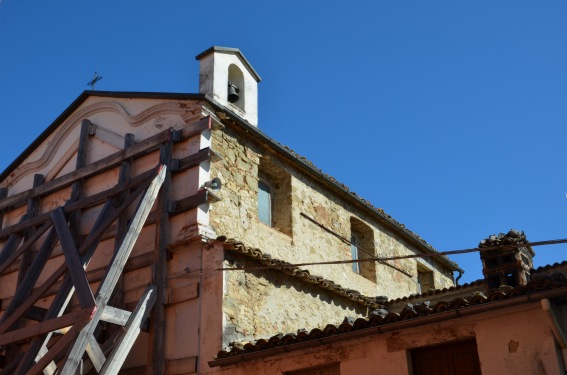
[187, 112]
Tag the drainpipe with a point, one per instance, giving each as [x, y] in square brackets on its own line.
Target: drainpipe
[458, 277]
[556, 328]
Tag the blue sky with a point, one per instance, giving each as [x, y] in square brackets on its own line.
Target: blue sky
[449, 115]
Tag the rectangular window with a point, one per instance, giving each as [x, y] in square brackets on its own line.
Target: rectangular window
[274, 196]
[354, 251]
[265, 203]
[362, 248]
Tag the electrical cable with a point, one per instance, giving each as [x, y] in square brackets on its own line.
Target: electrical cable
[410, 256]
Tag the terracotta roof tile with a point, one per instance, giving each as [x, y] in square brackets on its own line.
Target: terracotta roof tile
[302, 274]
[383, 317]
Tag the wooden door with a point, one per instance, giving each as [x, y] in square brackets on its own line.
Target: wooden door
[456, 358]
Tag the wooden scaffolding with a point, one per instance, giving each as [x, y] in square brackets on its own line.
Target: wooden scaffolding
[54, 323]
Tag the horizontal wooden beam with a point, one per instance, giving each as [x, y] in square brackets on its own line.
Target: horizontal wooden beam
[195, 159]
[115, 316]
[104, 164]
[83, 203]
[47, 326]
[134, 263]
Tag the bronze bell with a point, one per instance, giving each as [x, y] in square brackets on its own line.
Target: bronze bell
[233, 91]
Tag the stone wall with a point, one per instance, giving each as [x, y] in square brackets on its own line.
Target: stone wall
[236, 216]
[261, 303]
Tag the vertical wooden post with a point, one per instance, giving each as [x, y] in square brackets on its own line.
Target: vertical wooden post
[27, 257]
[122, 223]
[77, 187]
[156, 345]
[33, 206]
[37, 344]
[3, 194]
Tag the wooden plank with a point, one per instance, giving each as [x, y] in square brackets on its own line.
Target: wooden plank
[115, 316]
[188, 203]
[27, 256]
[104, 164]
[12, 243]
[109, 137]
[3, 194]
[83, 203]
[56, 349]
[28, 282]
[14, 255]
[116, 266]
[132, 329]
[194, 160]
[122, 222]
[156, 344]
[47, 326]
[95, 353]
[95, 275]
[182, 366]
[107, 215]
[76, 270]
[184, 293]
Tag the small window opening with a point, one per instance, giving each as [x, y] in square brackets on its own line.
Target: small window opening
[264, 203]
[354, 243]
[425, 279]
[274, 196]
[362, 248]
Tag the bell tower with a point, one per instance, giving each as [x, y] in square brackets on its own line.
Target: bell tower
[227, 77]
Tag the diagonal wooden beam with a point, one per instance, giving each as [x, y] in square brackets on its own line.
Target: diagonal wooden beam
[105, 164]
[76, 270]
[47, 326]
[84, 202]
[106, 217]
[132, 329]
[29, 242]
[95, 353]
[12, 243]
[23, 290]
[58, 348]
[114, 271]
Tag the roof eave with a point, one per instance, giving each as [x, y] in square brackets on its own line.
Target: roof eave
[383, 218]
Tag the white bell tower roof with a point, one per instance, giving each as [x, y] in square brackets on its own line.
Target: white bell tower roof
[222, 68]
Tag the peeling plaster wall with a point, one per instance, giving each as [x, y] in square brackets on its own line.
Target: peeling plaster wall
[511, 341]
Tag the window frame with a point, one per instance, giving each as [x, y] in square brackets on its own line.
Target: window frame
[266, 198]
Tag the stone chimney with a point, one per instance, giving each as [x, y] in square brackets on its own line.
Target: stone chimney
[227, 77]
[506, 265]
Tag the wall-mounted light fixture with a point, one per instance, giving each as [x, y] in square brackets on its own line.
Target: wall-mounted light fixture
[215, 184]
